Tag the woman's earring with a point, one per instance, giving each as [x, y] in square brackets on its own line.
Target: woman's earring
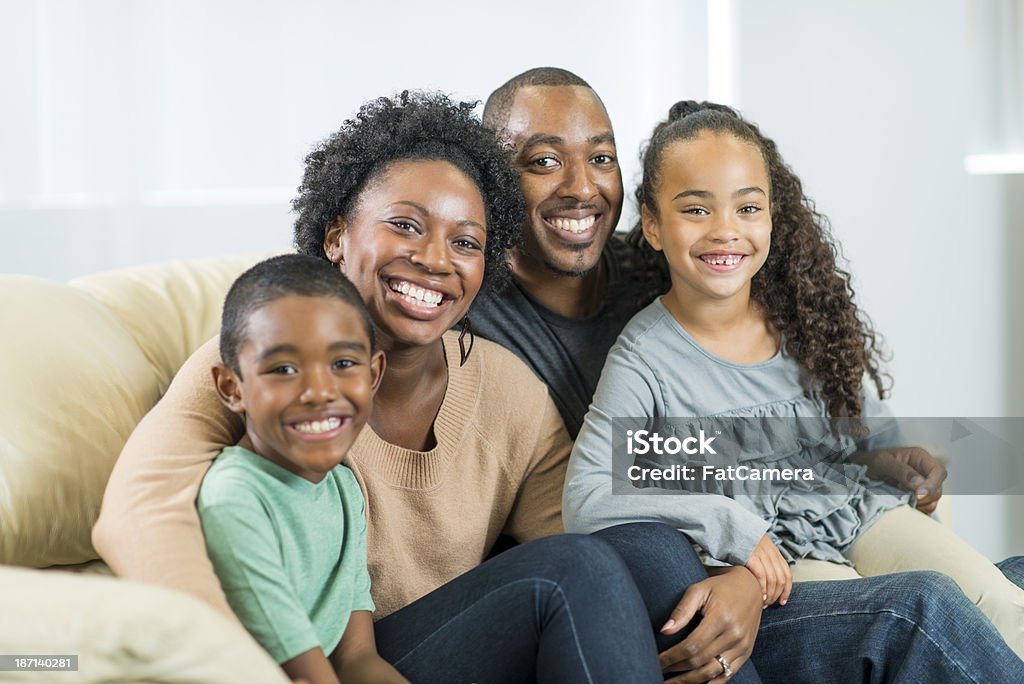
[466, 329]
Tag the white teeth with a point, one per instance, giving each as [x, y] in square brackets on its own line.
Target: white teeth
[729, 260]
[318, 426]
[573, 225]
[420, 296]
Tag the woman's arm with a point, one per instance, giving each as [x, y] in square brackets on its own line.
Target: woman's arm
[148, 528]
[356, 659]
[537, 511]
[730, 611]
[629, 389]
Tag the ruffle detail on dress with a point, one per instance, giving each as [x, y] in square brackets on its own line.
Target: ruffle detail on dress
[825, 514]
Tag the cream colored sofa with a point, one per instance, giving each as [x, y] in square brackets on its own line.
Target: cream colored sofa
[81, 363]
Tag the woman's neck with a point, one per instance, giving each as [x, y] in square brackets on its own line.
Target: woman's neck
[734, 328]
[410, 395]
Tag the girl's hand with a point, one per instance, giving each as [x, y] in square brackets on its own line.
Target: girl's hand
[910, 468]
[730, 606]
[772, 571]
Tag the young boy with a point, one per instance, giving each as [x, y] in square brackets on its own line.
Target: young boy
[283, 520]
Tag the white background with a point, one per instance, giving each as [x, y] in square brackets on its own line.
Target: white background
[142, 130]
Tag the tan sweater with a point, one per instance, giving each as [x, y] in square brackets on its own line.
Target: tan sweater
[498, 466]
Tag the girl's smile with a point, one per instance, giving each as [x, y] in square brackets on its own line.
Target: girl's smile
[723, 262]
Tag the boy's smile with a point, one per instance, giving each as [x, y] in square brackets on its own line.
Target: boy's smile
[307, 377]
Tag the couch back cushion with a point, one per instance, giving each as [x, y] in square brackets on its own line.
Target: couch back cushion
[171, 308]
[81, 364]
[74, 385]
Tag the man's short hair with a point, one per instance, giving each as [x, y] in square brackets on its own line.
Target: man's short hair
[277, 277]
[499, 103]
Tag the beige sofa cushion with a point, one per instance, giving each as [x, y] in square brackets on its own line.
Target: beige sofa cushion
[123, 632]
[81, 364]
[74, 386]
[170, 308]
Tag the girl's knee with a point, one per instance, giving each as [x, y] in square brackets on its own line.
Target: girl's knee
[1003, 598]
[984, 585]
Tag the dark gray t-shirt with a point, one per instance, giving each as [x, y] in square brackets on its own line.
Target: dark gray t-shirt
[569, 353]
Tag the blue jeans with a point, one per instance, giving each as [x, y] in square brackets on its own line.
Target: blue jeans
[907, 627]
[559, 609]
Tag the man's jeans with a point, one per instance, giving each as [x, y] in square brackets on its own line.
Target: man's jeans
[906, 627]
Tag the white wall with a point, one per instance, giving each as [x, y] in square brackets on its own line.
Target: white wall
[139, 130]
[870, 102]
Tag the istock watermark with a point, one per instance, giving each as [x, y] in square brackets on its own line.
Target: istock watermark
[767, 456]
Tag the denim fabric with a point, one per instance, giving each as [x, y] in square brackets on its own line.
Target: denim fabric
[1013, 568]
[558, 609]
[663, 563]
[906, 628]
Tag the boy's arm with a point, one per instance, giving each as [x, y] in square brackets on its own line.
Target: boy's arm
[148, 528]
[310, 666]
[356, 659]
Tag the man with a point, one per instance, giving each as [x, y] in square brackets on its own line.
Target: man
[574, 287]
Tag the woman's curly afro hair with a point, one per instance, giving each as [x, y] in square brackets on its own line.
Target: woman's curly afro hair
[804, 293]
[410, 126]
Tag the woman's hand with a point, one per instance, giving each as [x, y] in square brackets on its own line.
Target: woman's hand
[730, 606]
[910, 468]
[772, 571]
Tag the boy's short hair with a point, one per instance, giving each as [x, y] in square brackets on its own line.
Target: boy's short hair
[277, 277]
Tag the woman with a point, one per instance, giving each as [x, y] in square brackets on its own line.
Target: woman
[414, 201]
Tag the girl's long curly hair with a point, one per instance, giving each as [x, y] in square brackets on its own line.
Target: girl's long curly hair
[410, 126]
[804, 293]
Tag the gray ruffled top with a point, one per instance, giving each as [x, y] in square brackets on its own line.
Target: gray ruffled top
[762, 418]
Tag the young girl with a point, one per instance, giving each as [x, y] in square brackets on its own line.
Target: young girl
[760, 326]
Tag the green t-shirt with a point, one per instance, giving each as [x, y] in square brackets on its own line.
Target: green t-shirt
[290, 554]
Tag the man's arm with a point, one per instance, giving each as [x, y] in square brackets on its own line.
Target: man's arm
[148, 528]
